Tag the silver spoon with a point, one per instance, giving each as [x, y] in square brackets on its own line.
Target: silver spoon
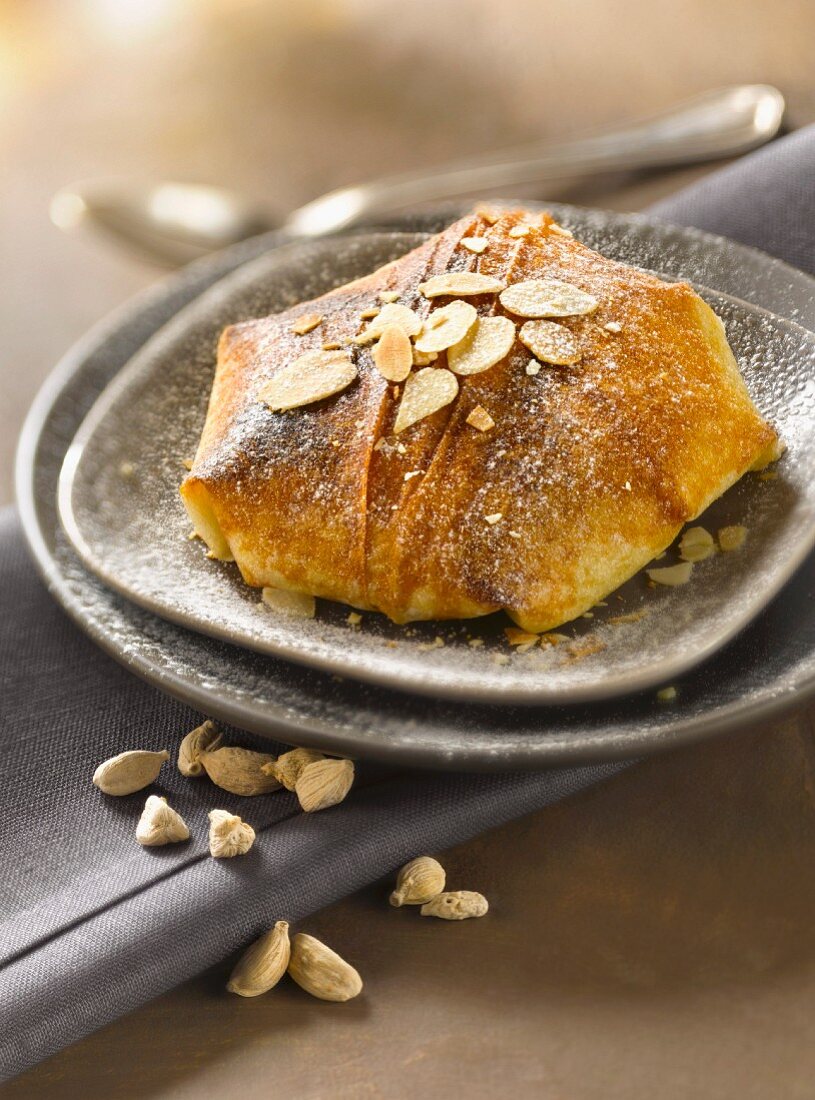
[178, 222]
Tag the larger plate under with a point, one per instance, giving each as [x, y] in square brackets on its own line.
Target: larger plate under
[131, 529]
[766, 671]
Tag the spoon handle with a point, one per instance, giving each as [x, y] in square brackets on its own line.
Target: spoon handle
[719, 123]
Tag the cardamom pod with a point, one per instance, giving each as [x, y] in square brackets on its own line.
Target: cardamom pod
[321, 971]
[324, 784]
[239, 770]
[263, 964]
[288, 767]
[229, 835]
[129, 771]
[204, 738]
[456, 905]
[160, 824]
[418, 881]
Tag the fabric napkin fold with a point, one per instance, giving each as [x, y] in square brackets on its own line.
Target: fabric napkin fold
[92, 925]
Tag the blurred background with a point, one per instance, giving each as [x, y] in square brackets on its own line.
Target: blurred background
[289, 98]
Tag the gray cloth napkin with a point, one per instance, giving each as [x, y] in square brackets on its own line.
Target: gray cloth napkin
[92, 925]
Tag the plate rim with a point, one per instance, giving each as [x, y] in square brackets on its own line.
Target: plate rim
[382, 673]
[184, 284]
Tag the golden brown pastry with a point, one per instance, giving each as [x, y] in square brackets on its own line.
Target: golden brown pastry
[610, 412]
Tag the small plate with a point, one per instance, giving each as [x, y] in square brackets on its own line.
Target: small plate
[119, 505]
[767, 671]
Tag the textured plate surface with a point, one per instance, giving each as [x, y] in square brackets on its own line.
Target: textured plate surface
[766, 671]
[131, 529]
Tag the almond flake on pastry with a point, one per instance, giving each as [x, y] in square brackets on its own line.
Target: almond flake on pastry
[487, 343]
[446, 327]
[393, 354]
[550, 342]
[426, 391]
[307, 323]
[547, 298]
[479, 418]
[310, 378]
[391, 314]
[460, 283]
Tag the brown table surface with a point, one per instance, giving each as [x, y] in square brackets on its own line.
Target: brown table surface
[654, 937]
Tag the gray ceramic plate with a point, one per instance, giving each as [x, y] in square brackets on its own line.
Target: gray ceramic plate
[768, 669]
[132, 530]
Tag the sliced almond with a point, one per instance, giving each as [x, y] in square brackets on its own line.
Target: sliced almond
[474, 244]
[391, 314]
[519, 231]
[488, 213]
[426, 391]
[732, 538]
[388, 295]
[494, 517]
[460, 283]
[696, 544]
[629, 617]
[306, 323]
[446, 327]
[310, 378]
[585, 647]
[393, 354]
[671, 575]
[532, 368]
[297, 604]
[560, 230]
[547, 298]
[516, 636]
[550, 342]
[487, 343]
[613, 326]
[479, 418]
